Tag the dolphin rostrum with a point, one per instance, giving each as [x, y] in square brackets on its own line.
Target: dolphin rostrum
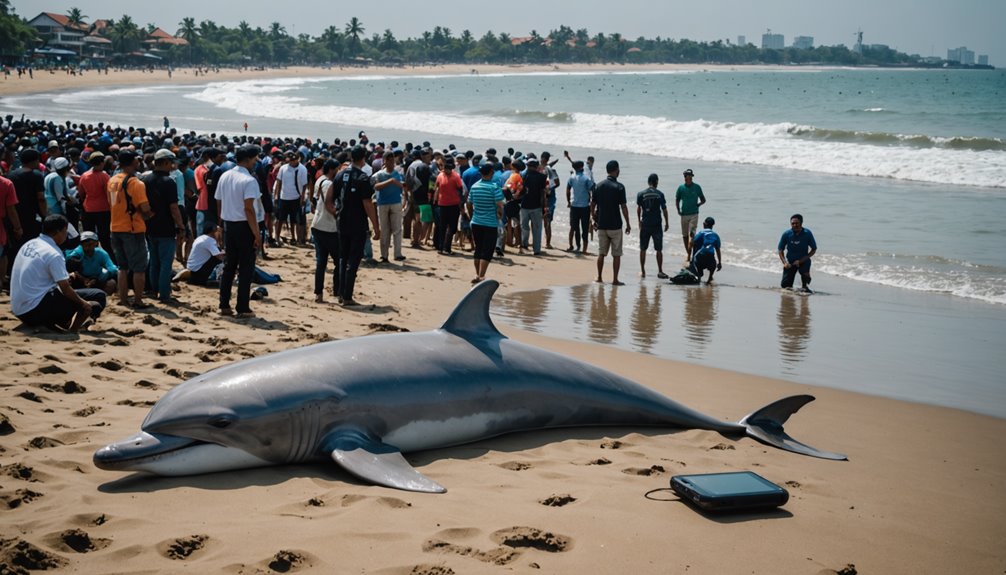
[365, 401]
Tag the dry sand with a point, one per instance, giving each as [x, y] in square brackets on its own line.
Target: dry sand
[49, 81]
[923, 491]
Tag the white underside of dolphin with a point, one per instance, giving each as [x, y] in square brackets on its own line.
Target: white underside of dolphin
[363, 402]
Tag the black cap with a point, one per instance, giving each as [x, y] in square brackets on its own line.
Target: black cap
[709, 222]
[127, 157]
[689, 172]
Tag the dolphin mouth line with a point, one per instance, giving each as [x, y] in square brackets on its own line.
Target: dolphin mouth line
[129, 454]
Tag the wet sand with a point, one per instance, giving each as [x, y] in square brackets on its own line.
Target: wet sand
[922, 491]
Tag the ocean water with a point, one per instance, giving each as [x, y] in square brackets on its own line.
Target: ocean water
[901, 174]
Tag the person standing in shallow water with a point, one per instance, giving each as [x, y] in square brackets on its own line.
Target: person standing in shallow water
[651, 206]
[608, 208]
[796, 247]
[688, 199]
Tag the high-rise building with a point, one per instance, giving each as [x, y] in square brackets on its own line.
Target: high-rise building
[961, 55]
[742, 40]
[803, 42]
[770, 41]
[983, 60]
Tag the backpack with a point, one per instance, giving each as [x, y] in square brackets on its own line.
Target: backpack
[685, 277]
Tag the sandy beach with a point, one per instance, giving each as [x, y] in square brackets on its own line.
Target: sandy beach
[48, 81]
[922, 491]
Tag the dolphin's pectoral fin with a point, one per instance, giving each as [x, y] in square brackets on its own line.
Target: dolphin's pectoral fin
[377, 462]
[766, 425]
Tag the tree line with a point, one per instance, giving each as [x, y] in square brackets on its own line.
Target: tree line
[209, 43]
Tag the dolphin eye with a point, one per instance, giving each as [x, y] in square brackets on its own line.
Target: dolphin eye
[221, 421]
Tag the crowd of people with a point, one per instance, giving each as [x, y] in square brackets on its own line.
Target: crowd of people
[121, 205]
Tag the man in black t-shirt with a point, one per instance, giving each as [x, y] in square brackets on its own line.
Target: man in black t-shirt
[164, 229]
[353, 186]
[651, 212]
[607, 207]
[29, 183]
[533, 205]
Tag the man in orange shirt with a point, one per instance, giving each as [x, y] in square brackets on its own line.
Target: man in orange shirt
[127, 197]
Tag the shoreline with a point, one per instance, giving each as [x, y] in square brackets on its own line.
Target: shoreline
[46, 82]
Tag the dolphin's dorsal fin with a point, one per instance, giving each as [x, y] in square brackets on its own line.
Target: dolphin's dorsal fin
[470, 319]
[376, 462]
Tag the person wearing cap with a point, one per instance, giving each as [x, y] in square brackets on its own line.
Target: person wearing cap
[129, 208]
[706, 251]
[57, 197]
[796, 246]
[91, 191]
[485, 208]
[165, 230]
[95, 267]
[236, 197]
[651, 213]
[53, 152]
[687, 200]
[607, 209]
[40, 292]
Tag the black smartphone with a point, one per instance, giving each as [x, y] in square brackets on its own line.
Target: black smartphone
[733, 491]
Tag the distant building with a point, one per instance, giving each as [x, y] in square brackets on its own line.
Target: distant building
[879, 47]
[770, 41]
[59, 35]
[983, 60]
[742, 40]
[961, 55]
[803, 42]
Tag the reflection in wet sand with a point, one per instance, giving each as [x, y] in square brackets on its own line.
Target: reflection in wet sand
[794, 329]
[645, 321]
[699, 317]
[529, 307]
[603, 315]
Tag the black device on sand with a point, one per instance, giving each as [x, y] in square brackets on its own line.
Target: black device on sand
[726, 492]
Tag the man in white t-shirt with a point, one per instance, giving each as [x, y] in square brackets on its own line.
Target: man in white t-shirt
[236, 194]
[40, 292]
[291, 180]
[204, 257]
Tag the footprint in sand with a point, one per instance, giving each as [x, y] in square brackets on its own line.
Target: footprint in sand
[87, 411]
[557, 500]
[509, 542]
[427, 569]
[68, 387]
[722, 447]
[19, 497]
[30, 396]
[182, 548]
[600, 461]
[19, 471]
[109, 364]
[51, 369]
[613, 444]
[76, 540]
[645, 471]
[285, 561]
[515, 465]
[6, 427]
[43, 443]
[530, 537]
[26, 557]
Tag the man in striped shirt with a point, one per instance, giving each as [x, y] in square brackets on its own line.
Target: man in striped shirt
[485, 208]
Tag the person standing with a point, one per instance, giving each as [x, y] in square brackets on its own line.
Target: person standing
[485, 208]
[447, 196]
[388, 185]
[92, 193]
[325, 233]
[291, 179]
[651, 206]
[235, 196]
[608, 209]
[352, 188]
[578, 191]
[29, 185]
[127, 198]
[688, 199]
[533, 206]
[796, 247]
[8, 209]
[165, 229]
[40, 292]
[706, 251]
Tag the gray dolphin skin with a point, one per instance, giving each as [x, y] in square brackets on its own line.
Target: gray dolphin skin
[364, 401]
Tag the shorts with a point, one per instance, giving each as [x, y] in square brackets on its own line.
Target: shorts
[130, 251]
[689, 225]
[291, 211]
[484, 238]
[656, 234]
[551, 207]
[185, 223]
[609, 239]
[425, 213]
[704, 261]
[267, 205]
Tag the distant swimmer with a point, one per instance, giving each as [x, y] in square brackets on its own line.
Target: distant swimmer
[706, 251]
[688, 199]
[796, 247]
[167, 123]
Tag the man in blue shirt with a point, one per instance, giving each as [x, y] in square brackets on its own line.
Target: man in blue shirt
[706, 251]
[96, 267]
[578, 195]
[796, 247]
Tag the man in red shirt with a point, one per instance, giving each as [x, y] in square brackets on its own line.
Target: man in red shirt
[447, 196]
[8, 199]
[92, 191]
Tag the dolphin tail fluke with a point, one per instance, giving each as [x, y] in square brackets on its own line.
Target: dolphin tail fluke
[766, 425]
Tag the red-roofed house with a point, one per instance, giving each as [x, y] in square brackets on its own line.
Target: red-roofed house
[58, 34]
[161, 40]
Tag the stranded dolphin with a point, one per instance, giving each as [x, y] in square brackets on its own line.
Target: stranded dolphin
[365, 401]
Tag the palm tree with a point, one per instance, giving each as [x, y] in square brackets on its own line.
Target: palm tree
[75, 17]
[125, 35]
[276, 31]
[354, 28]
[187, 30]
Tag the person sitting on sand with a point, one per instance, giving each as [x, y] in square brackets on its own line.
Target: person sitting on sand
[96, 269]
[706, 251]
[204, 257]
[40, 292]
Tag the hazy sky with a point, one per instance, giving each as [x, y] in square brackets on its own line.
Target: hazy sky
[926, 27]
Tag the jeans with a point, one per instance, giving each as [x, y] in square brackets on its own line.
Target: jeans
[500, 232]
[326, 245]
[162, 254]
[531, 221]
[350, 254]
[579, 222]
[390, 217]
[239, 244]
